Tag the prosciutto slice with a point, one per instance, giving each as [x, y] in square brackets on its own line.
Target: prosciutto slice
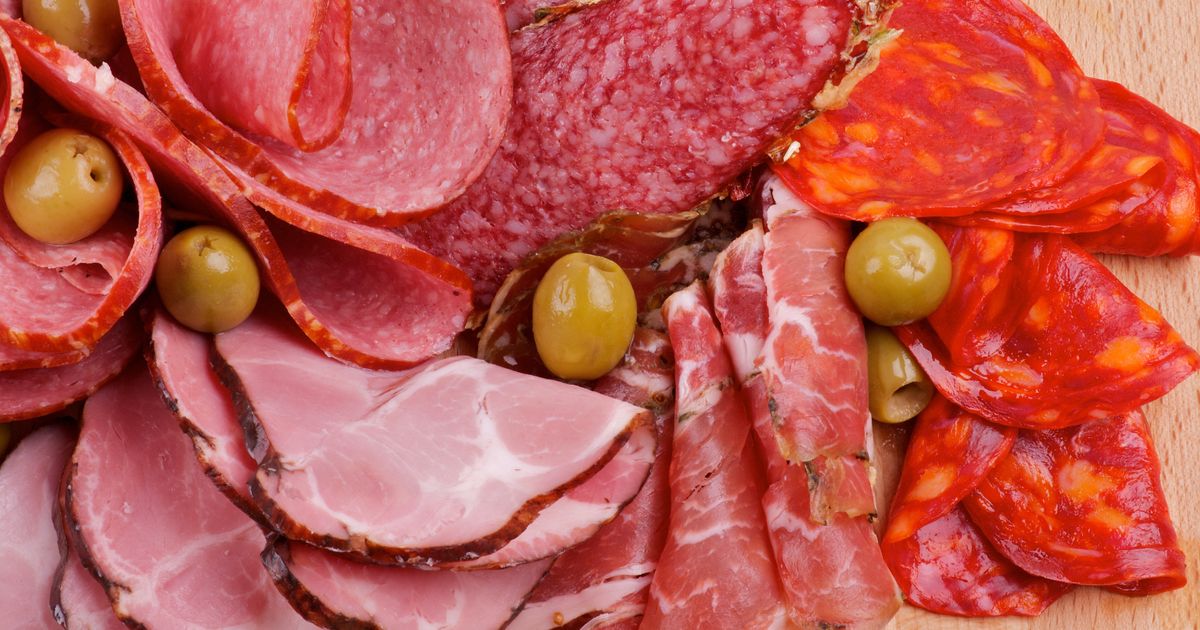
[605, 581]
[808, 553]
[717, 569]
[142, 514]
[29, 481]
[331, 439]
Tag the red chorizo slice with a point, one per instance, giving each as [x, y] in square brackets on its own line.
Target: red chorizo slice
[1084, 505]
[949, 453]
[1057, 341]
[974, 104]
[948, 567]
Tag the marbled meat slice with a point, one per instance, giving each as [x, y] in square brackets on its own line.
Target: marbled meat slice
[172, 550]
[717, 569]
[397, 156]
[78, 599]
[1044, 336]
[504, 446]
[807, 551]
[641, 105]
[337, 593]
[29, 482]
[606, 580]
[974, 103]
[193, 181]
[1084, 505]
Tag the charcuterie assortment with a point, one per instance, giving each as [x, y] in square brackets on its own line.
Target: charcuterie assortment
[590, 314]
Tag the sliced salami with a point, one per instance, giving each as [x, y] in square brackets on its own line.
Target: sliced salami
[34, 392]
[393, 159]
[194, 182]
[29, 481]
[341, 422]
[899, 148]
[621, 114]
[1048, 339]
[1084, 505]
[717, 567]
[948, 567]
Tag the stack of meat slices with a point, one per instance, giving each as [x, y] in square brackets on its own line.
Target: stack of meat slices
[1033, 470]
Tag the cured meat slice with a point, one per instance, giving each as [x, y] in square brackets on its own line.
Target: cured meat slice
[948, 567]
[194, 182]
[519, 442]
[393, 159]
[606, 580]
[29, 481]
[172, 550]
[993, 68]
[78, 600]
[1169, 222]
[1048, 339]
[12, 97]
[814, 359]
[52, 311]
[716, 569]
[335, 592]
[949, 453]
[807, 551]
[1084, 505]
[622, 114]
[29, 393]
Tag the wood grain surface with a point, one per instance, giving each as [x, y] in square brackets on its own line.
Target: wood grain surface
[1150, 46]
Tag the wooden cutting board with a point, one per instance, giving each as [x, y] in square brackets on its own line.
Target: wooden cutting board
[1152, 47]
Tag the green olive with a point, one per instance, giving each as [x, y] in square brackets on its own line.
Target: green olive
[897, 271]
[63, 186]
[898, 387]
[91, 28]
[5, 437]
[584, 313]
[207, 279]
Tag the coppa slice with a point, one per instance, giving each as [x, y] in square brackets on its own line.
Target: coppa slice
[337, 320]
[622, 112]
[1084, 505]
[393, 160]
[29, 483]
[1046, 337]
[973, 104]
[142, 515]
[606, 579]
[335, 592]
[504, 446]
[717, 569]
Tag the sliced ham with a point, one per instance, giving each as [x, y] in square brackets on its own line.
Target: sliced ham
[832, 572]
[193, 181]
[396, 154]
[29, 482]
[606, 580]
[145, 518]
[337, 593]
[331, 439]
[717, 569]
[642, 105]
[78, 600]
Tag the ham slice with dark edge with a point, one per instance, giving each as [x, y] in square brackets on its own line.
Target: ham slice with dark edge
[717, 569]
[346, 311]
[520, 443]
[642, 105]
[171, 550]
[78, 599]
[29, 482]
[396, 156]
[605, 581]
[808, 553]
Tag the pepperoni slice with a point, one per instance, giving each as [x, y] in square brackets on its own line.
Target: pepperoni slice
[948, 567]
[949, 453]
[1045, 337]
[974, 104]
[1084, 505]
